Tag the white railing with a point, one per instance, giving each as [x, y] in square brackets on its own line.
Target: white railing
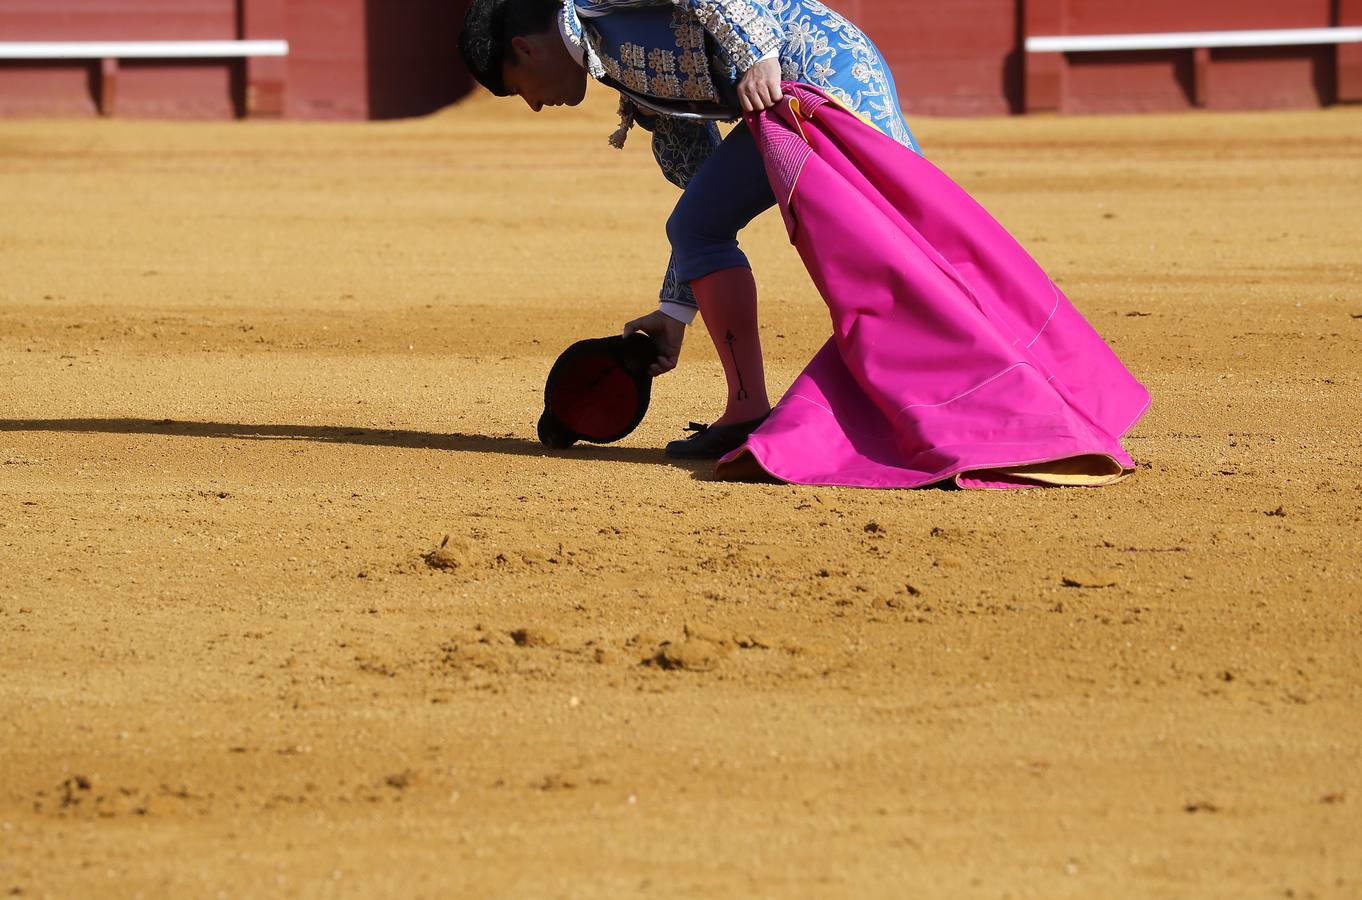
[1192, 40]
[140, 49]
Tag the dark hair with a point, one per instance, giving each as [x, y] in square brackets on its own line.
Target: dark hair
[488, 28]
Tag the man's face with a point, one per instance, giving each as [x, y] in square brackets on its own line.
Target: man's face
[542, 72]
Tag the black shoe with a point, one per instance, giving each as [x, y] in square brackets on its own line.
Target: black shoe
[713, 441]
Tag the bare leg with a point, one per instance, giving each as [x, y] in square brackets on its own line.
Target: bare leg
[728, 304]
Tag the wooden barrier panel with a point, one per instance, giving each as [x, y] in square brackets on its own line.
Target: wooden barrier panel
[327, 73]
[266, 76]
[1162, 55]
[1045, 72]
[1348, 57]
[412, 59]
[961, 58]
[89, 86]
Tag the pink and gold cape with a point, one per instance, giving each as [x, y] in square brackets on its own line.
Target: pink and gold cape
[953, 357]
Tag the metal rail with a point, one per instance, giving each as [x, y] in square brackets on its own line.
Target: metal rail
[140, 49]
[1192, 40]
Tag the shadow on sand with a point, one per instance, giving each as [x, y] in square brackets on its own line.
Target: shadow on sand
[372, 437]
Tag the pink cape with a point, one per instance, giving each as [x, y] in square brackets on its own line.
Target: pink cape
[953, 355]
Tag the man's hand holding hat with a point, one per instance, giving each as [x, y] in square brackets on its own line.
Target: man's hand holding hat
[666, 332]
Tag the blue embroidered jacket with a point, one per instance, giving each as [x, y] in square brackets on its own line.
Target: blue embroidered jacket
[676, 64]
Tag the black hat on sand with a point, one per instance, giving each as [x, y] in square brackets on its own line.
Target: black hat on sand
[597, 391]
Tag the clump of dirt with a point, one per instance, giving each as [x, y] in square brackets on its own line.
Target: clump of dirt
[702, 649]
[82, 796]
[1100, 579]
[556, 781]
[400, 781]
[465, 654]
[463, 555]
[813, 649]
[700, 632]
[535, 636]
[694, 656]
[450, 555]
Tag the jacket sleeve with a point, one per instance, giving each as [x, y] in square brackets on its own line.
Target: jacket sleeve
[746, 30]
[680, 147]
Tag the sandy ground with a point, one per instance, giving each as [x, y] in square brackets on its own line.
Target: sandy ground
[252, 375]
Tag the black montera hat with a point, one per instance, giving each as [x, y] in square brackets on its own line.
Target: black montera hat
[597, 391]
[482, 43]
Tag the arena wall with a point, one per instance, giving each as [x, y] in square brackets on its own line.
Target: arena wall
[348, 59]
[1167, 80]
[355, 59]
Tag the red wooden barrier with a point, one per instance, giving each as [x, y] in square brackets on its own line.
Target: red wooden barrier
[1045, 71]
[354, 59]
[326, 68]
[265, 76]
[1348, 70]
[198, 89]
[1162, 80]
[961, 58]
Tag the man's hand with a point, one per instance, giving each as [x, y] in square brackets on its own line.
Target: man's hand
[666, 332]
[759, 87]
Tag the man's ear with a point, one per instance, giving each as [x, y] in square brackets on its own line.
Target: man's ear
[522, 47]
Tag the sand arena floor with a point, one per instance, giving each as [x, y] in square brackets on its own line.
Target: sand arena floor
[251, 375]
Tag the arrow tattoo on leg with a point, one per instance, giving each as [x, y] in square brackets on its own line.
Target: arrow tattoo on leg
[729, 339]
